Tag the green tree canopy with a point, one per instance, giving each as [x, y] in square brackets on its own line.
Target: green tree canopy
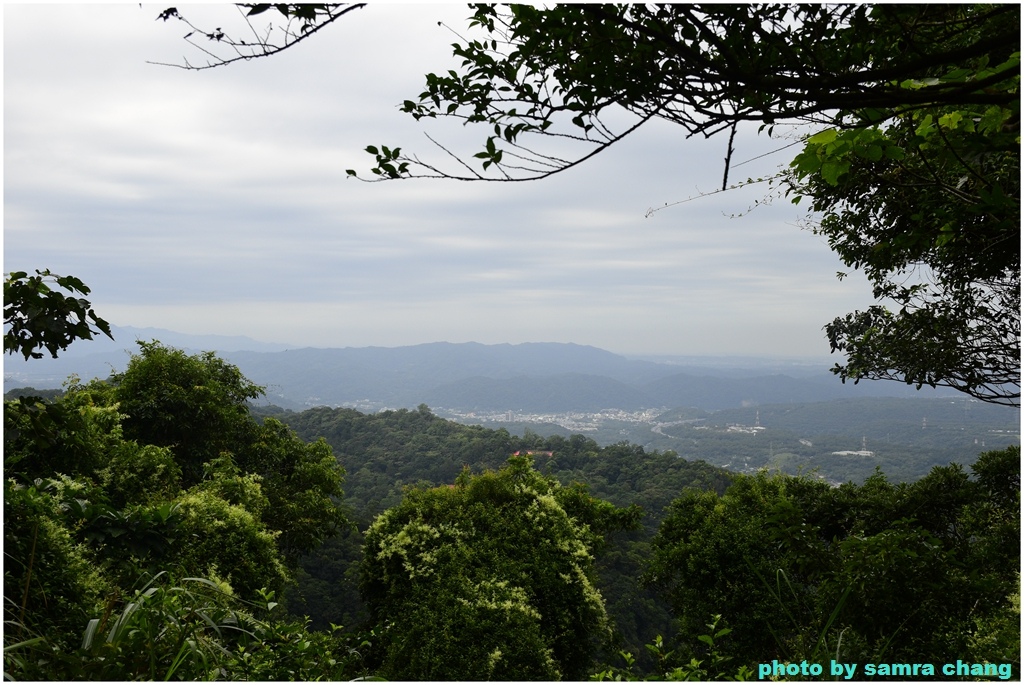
[907, 572]
[194, 404]
[490, 578]
[95, 514]
[927, 203]
[92, 521]
[197, 406]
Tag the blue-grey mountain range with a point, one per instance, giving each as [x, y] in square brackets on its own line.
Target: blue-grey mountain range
[528, 377]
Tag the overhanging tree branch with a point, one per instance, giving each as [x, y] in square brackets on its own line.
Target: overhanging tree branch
[312, 18]
[913, 162]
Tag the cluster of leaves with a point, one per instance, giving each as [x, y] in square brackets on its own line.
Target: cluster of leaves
[490, 578]
[192, 629]
[893, 572]
[925, 199]
[716, 665]
[94, 502]
[554, 72]
[38, 317]
[197, 406]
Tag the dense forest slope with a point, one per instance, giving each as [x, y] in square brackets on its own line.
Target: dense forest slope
[157, 524]
[384, 452]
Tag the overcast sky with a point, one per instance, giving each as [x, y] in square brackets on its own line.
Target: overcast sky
[216, 202]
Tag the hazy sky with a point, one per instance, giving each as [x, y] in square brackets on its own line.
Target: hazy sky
[217, 202]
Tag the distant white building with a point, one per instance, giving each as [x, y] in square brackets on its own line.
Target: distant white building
[744, 429]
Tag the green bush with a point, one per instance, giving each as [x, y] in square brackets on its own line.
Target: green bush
[489, 578]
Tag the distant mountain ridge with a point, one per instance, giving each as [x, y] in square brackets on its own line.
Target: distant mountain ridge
[526, 377]
[125, 337]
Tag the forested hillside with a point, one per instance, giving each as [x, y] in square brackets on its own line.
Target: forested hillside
[157, 526]
[839, 440]
[155, 521]
[384, 452]
[387, 449]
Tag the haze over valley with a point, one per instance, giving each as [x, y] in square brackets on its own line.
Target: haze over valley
[742, 413]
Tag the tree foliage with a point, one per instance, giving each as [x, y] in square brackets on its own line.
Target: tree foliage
[538, 73]
[37, 316]
[302, 482]
[51, 585]
[95, 512]
[927, 202]
[387, 451]
[188, 629]
[802, 570]
[197, 406]
[490, 578]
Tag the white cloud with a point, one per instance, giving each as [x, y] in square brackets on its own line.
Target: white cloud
[217, 202]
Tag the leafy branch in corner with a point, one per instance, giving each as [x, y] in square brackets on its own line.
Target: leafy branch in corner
[36, 316]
